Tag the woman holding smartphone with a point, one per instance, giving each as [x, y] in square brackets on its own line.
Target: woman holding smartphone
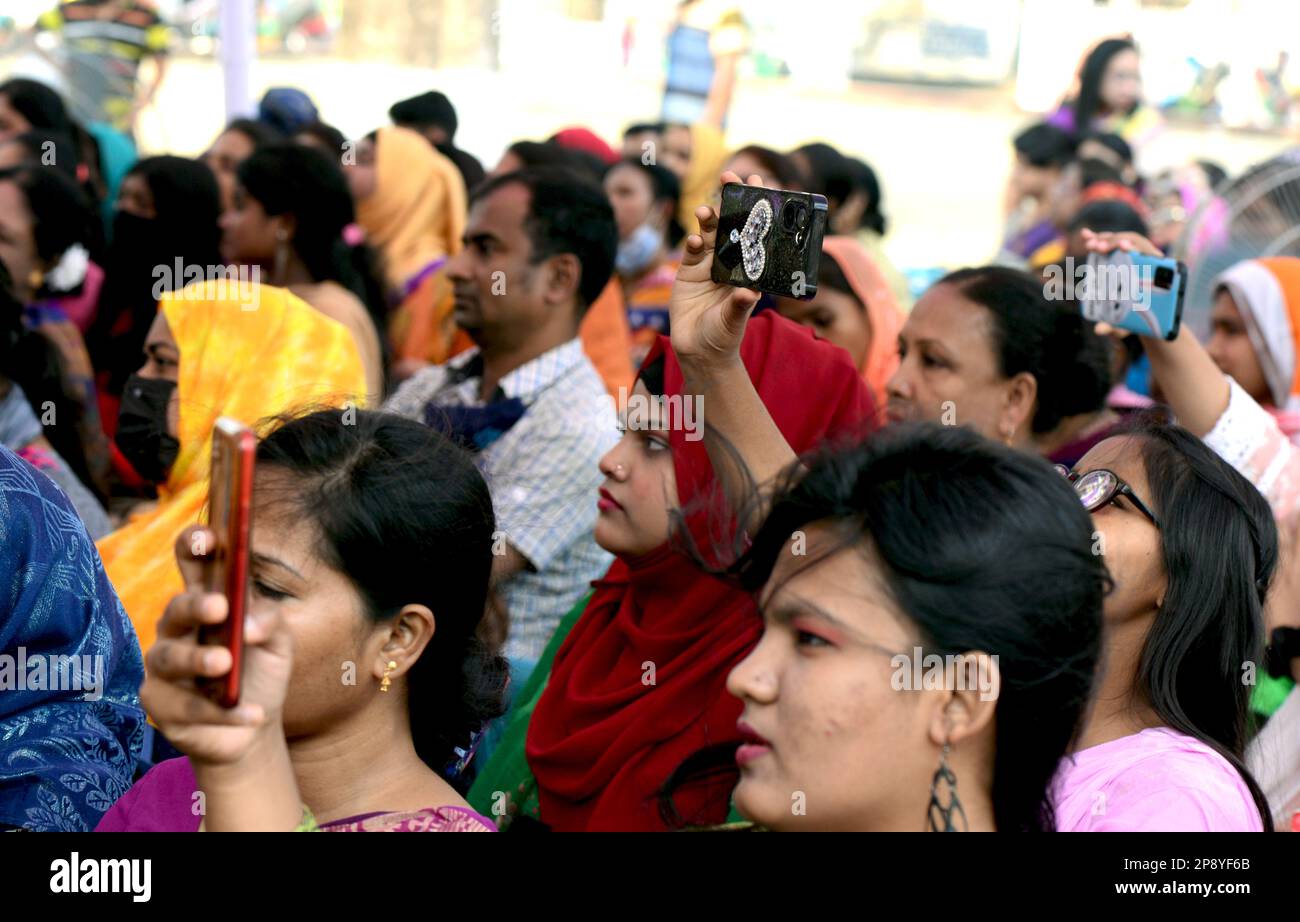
[363, 680]
[1180, 621]
[1212, 390]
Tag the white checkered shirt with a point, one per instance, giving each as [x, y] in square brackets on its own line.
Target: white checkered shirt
[543, 473]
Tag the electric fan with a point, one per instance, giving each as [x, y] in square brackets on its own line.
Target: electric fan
[1254, 215]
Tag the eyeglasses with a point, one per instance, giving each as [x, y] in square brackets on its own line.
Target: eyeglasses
[1100, 487]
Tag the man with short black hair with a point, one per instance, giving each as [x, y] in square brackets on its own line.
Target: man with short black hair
[539, 247]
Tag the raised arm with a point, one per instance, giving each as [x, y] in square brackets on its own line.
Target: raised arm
[708, 322]
[1215, 408]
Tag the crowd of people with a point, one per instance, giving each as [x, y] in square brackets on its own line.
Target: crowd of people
[553, 531]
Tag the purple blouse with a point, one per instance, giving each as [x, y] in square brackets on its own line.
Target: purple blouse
[166, 800]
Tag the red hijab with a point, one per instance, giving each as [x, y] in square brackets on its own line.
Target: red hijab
[603, 740]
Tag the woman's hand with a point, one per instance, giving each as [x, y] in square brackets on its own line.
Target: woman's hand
[193, 722]
[1193, 386]
[1128, 241]
[707, 318]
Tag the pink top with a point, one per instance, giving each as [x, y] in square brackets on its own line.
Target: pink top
[1158, 780]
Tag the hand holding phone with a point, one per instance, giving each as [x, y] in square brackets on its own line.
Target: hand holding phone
[770, 240]
[707, 316]
[1131, 286]
[239, 754]
[181, 671]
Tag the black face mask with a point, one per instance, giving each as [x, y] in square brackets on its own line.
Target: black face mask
[142, 434]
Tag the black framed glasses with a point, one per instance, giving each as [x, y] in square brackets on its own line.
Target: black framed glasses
[1099, 487]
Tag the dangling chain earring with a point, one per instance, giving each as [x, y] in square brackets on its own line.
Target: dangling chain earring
[943, 798]
[386, 681]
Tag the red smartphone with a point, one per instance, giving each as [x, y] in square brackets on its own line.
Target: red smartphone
[230, 493]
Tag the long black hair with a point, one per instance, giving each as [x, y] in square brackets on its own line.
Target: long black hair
[307, 183]
[1048, 339]
[406, 516]
[983, 548]
[1219, 545]
[1088, 104]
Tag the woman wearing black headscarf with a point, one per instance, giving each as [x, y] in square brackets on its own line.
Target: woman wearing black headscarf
[166, 215]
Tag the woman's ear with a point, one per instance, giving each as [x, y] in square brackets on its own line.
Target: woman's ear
[1018, 406]
[403, 640]
[969, 701]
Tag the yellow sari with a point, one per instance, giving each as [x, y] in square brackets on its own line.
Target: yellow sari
[415, 215]
[247, 364]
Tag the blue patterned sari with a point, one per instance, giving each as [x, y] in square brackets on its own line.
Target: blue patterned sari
[67, 752]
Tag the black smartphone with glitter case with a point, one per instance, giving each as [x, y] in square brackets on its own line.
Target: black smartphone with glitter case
[770, 240]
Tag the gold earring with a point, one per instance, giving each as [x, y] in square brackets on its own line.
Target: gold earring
[386, 681]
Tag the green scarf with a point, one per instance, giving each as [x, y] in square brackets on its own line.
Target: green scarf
[507, 772]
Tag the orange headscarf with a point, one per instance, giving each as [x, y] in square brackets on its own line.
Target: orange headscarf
[1267, 293]
[883, 314]
[417, 211]
[236, 362]
[607, 340]
[415, 215]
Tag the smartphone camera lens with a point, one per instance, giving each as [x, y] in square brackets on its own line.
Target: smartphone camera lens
[1164, 277]
[793, 216]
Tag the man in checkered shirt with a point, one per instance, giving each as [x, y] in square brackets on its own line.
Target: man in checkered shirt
[539, 247]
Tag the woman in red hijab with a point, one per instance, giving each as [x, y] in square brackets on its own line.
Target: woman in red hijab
[638, 686]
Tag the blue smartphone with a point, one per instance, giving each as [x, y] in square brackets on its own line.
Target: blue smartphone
[1132, 291]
